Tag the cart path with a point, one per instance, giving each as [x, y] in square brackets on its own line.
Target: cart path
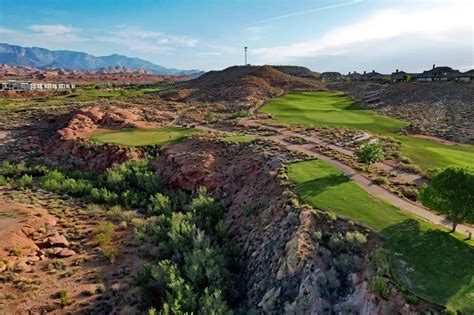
[364, 183]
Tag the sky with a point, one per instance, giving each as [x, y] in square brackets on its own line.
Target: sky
[336, 35]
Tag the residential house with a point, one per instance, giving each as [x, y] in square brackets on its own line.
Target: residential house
[373, 76]
[459, 76]
[435, 74]
[400, 76]
[331, 76]
[354, 76]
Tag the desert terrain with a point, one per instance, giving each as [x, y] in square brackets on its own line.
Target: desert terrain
[240, 191]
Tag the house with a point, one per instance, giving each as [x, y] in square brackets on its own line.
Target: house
[459, 76]
[354, 76]
[400, 76]
[331, 76]
[435, 74]
[373, 76]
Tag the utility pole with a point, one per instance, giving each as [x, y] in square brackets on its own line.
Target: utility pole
[245, 50]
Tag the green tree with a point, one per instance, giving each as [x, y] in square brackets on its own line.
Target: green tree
[452, 193]
[370, 152]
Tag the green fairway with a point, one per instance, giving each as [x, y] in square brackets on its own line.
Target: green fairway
[239, 138]
[337, 110]
[430, 262]
[328, 109]
[142, 137]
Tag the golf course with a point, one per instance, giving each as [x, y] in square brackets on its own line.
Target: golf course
[338, 110]
[427, 261]
[143, 137]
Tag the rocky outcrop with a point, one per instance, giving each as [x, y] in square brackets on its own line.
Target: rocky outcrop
[294, 262]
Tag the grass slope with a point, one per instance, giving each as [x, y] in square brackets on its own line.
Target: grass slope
[337, 110]
[239, 138]
[142, 137]
[430, 262]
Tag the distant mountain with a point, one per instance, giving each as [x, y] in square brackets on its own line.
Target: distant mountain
[75, 60]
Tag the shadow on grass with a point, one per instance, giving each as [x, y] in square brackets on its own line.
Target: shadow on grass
[432, 263]
[317, 186]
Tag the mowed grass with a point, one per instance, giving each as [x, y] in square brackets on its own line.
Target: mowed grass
[143, 137]
[428, 261]
[328, 109]
[239, 138]
[338, 110]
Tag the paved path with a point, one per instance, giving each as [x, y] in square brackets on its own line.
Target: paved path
[379, 192]
[366, 184]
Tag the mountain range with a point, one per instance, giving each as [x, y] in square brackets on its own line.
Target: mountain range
[75, 60]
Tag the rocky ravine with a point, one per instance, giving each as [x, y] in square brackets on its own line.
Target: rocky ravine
[288, 269]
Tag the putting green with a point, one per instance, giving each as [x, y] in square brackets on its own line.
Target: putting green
[143, 137]
[338, 110]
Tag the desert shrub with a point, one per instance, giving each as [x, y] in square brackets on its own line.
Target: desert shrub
[3, 180]
[249, 208]
[345, 263]
[240, 114]
[317, 235]
[109, 253]
[411, 193]
[379, 286]
[212, 302]
[159, 204]
[381, 180]
[9, 169]
[25, 181]
[329, 283]
[355, 241]
[163, 285]
[64, 299]
[350, 242]
[103, 195]
[56, 264]
[381, 262]
[206, 210]
[50, 184]
[115, 213]
[103, 233]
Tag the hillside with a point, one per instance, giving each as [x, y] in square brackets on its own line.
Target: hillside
[444, 110]
[245, 84]
[74, 60]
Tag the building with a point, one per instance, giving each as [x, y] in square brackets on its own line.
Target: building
[374, 76]
[435, 74]
[14, 85]
[331, 76]
[354, 76]
[400, 76]
[459, 76]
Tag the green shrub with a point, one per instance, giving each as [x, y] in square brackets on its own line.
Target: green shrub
[240, 114]
[159, 204]
[3, 180]
[355, 241]
[249, 208]
[103, 233]
[56, 264]
[64, 298]
[110, 253]
[25, 181]
[381, 262]
[379, 286]
[380, 180]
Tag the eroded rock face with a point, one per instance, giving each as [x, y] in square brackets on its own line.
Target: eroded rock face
[287, 269]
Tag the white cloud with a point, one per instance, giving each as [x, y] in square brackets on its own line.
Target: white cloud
[146, 41]
[53, 29]
[449, 23]
[254, 32]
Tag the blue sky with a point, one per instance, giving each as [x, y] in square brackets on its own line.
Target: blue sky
[338, 35]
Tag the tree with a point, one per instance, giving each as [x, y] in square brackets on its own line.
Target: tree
[370, 152]
[452, 193]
